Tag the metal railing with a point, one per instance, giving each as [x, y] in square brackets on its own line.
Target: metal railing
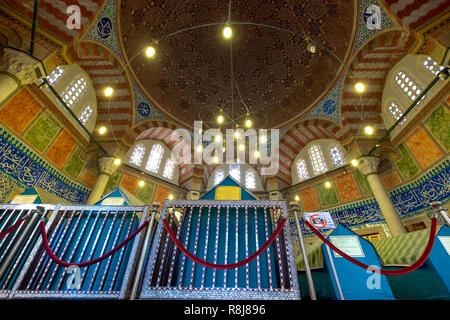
[75, 234]
[221, 232]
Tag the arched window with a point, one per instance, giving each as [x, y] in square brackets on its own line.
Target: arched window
[407, 86]
[235, 172]
[302, 170]
[250, 181]
[336, 155]
[137, 155]
[154, 159]
[85, 115]
[54, 77]
[218, 177]
[74, 91]
[432, 66]
[168, 169]
[317, 160]
[396, 112]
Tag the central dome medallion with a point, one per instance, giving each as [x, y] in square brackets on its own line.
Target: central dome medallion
[275, 75]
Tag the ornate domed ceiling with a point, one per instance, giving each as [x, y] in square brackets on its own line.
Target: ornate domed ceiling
[275, 74]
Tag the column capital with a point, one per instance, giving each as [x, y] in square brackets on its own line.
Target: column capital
[24, 67]
[193, 195]
[368, 165]
[106, 165]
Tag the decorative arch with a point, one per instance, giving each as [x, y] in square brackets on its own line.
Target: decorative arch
[371, 66]
[104, 69]
[298, 137]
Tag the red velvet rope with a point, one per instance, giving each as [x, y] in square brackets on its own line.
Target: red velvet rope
[87, 263]
[223, 266]
[397, 272]
[12, 228]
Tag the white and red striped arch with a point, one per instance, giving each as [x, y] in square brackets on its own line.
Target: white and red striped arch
[371, 66]
[418, 14]
[299, 136]
[105, 70]
[52, 16]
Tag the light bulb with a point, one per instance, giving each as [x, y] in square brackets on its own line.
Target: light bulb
[327, 184]
[102, 130]
[141, 183]
[218, 138]
[354, 162]
[369, 130]
[215, 159]
[170, 196]
[248, 123]
[241, 147]
[297, 198]
[150, 51]
[220, 119]
[236, 134]
[199, 148]
[257, 154]
[109, 91]
[311, 48]
[360, 87]
[117, 161]
[263, 139]
[227, 32]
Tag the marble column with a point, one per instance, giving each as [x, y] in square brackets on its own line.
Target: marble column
[368, 165]
[107, 168]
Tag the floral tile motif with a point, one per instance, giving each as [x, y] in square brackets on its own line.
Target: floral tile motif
[327, 197]
[161, 193]
[347, 187]
[363, 183]
[438, 123]
[310, 200]
[423, 147]
[113, 181]
[145, 193]
[88, 178]
[406, 165]
[390, 180]
[75, 164]
[43, 131]
[20, 111]
[129, 182]
[61, 148]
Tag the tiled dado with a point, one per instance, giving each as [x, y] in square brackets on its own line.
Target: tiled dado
[411, 199]
[21, 163]
[26, 116]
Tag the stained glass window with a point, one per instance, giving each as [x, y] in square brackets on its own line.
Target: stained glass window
[56, 75]
[407, 86]
[154, 159]
[235, 172]
[302, 170]
[74, 91]
[432, 66]
[168, 169]
[336, 155]
[137, 155]
[317, 160]
[218, 177]
[396, 112]
[250, 182]
[85, 115]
